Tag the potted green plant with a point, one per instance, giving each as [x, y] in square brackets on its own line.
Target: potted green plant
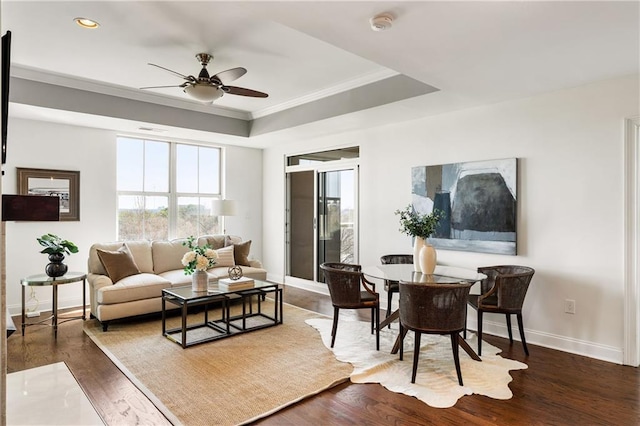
[420, 226]
[56, 248]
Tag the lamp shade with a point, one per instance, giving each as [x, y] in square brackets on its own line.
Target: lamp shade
[224, 207]
[203, 92]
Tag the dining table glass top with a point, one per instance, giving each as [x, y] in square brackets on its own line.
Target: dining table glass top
[405, 272]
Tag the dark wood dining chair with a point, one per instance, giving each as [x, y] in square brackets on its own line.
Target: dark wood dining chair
[503, 291]
[392, 286]
[349, 289]
[433, 309]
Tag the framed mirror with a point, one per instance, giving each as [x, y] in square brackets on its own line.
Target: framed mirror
[59, 183]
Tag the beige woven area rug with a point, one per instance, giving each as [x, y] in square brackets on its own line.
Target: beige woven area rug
[225, 382]
[436, 381]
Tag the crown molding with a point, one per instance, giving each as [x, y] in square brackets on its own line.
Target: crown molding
[34, 74]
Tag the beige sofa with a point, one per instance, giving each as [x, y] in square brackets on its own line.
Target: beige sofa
[159, 265]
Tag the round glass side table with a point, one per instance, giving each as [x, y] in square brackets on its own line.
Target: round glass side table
[42, 280]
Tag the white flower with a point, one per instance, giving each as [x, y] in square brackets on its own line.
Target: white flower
[188, 257]
[202, 263]
[211, 254]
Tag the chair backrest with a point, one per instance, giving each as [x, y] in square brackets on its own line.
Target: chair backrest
[434, 308]
[343, 280]
[511, 281]
[389, 259]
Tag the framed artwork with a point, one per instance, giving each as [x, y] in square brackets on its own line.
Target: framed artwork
[477, 200]
[58, 183]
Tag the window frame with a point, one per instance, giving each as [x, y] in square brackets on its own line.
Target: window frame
[172, 195]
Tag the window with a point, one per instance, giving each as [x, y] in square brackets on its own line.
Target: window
[166, 190]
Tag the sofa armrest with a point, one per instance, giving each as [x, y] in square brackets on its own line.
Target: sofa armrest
[96, 282]
[255, 263]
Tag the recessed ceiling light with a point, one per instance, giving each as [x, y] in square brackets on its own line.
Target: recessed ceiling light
[86, 23]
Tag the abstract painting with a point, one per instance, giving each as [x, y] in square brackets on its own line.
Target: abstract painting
[477, 200]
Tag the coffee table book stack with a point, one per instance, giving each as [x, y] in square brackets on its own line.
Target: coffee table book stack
[242, 283]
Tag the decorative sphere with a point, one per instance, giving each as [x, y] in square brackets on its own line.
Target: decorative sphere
[235, 272]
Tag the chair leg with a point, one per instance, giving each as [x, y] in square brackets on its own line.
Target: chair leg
[377, 328]
[479, 332]
[335, 325]
[509, 328]
[401, 337]
[456, 357]
[389, 297]
[521, 328]
[416, 355]
[464, 331]
[373, 319]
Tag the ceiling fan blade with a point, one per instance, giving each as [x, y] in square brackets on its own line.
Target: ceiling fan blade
[162, 87]
[171, 71]
[233, 90]
[224, 77]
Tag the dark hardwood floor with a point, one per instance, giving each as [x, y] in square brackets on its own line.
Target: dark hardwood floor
[558, 388]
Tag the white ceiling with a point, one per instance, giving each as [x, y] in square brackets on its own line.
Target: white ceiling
[473, 52]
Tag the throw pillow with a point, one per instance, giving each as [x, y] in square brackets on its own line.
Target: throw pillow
[118, 264]
[225, 257]
[241, 253]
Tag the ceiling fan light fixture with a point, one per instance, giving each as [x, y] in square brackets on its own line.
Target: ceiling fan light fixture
[203, 92]
[86, 23]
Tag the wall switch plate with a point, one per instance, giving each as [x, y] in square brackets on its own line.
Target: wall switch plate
[570, 306]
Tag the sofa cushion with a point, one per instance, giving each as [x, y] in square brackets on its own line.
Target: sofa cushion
[177, 277]
[167, 255]
[230, 240]
[134, 287]
[214, 241]
[119, 264]
[241, 253]
[225, 257]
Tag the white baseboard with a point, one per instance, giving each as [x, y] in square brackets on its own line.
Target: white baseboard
[551, 341]
[47, 305]
[313, 286]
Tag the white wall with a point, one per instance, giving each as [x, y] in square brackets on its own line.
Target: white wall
[37, 144]
[570, 201]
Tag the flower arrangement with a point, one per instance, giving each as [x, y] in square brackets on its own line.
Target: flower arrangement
[55, 245]
[418, 225]
[200, 258]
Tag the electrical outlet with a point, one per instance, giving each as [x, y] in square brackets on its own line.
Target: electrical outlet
[570, 306]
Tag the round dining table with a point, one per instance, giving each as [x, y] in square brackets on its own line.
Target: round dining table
[405, 272]
[441, 275]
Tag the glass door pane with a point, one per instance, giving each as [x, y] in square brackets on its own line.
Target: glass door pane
[336, 217]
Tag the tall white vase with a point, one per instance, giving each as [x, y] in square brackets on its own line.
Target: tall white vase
[418, 243]
[199, 281]
[427, 259]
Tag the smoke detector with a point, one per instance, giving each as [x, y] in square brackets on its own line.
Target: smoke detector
[381, 22]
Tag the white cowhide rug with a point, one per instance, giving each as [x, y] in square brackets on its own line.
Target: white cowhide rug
[436, 381]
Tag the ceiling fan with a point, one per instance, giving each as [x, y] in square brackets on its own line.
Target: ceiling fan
[207, 88]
